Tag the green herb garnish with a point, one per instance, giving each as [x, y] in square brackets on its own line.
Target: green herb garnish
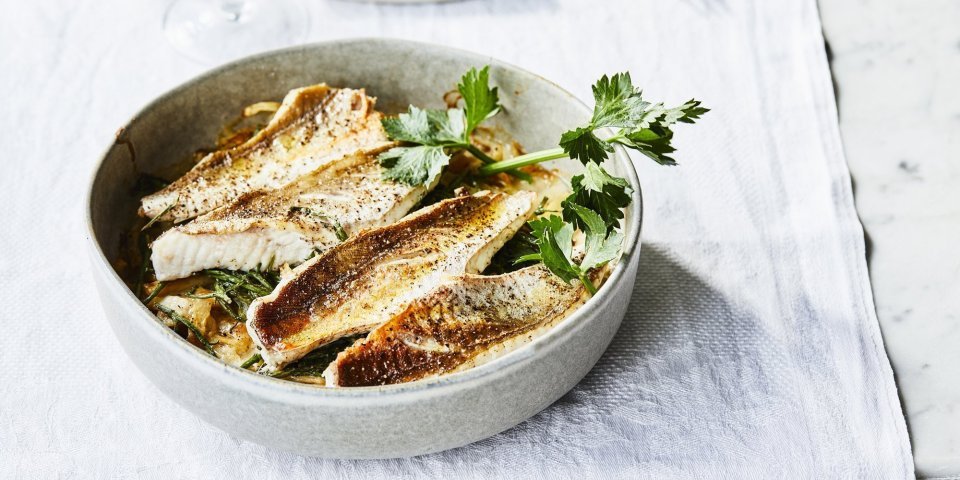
[596, 204]
[156, 291]
[325, 220]
[255, 358]
[190, 326]
[157, 217]
[554, 239]
[435, 133]
[315, 362]
[238, 288]
[599, 191]
[509, 258]
[640, 125]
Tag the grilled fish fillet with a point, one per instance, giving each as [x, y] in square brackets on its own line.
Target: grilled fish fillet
[467, 321]
[313, 126]
[365, 281]
[287, 225]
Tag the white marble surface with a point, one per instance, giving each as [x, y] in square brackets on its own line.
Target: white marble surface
[897, 68]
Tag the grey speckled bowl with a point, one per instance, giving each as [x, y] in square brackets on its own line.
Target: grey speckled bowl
[375, 422]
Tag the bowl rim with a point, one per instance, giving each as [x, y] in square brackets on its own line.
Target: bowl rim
[276, 388]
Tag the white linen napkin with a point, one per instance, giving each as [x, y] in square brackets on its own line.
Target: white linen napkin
[751, 348]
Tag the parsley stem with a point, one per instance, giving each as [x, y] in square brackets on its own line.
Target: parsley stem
[476, 152]
[585, 280]
[618, 138]
[522, 161]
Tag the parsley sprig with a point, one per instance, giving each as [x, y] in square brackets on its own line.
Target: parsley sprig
[554, 238]
[596, 203]
[435, 133]
[640, 125]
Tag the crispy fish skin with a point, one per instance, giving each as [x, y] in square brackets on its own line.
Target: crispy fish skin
[313, 126]
[363, 282]
[288, 225]
[468, 320]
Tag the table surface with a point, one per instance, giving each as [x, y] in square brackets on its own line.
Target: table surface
[897, 68]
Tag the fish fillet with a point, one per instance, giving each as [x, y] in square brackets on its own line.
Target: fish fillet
[313, 126]
[467, 321]
[365, 281]
[287, 225]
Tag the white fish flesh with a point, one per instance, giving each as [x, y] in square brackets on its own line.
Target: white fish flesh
[314, 125]
[287, 225]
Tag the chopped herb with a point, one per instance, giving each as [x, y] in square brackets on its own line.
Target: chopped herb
[509, 257]
[157, 217]
[325, 220]
[239, 288]
[542, 208]
[315, 362]
[190, 326]
[155, 292]
[255, 358]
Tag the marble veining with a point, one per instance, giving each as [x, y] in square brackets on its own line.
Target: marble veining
[897, 69]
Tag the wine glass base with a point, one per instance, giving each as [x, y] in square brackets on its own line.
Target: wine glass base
[216, 31]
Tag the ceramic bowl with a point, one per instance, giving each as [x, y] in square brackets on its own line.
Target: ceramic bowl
[371, 422]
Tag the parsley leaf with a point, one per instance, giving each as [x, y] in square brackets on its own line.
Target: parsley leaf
[480, 101]
[540, 226]
[617, 102]
[435, 133]
[653, 135]
[554, 243]
[553, 253]
[642, 125]
[426, 127]
[413, 126]
[652, 142]
[414, 165]
[599, 191]
[600, 247]
[432, 130]
[687, 113]
[448, 126]
[584, 145]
